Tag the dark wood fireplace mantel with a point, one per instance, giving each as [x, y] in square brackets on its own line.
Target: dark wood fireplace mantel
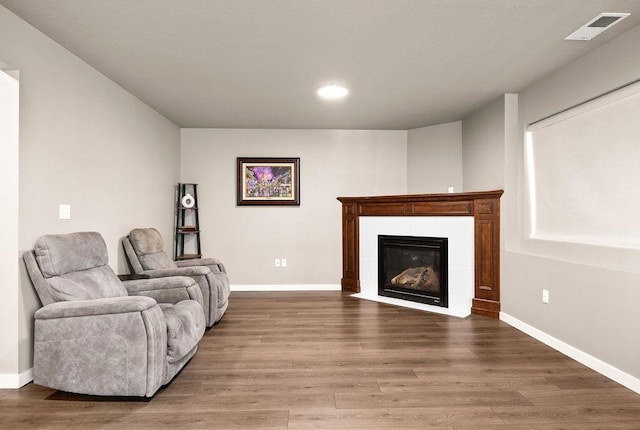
[483, 206]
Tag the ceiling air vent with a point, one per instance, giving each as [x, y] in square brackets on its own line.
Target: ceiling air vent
[596, 26]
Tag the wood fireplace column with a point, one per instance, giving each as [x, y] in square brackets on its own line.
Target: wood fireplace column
[483, 206]
[350, 248]
[487, 258]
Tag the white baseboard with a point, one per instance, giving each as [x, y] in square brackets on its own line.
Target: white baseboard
[287, 287]
[16, 380]
[623, 378]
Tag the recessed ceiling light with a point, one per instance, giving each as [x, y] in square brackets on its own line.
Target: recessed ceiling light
[333, 91]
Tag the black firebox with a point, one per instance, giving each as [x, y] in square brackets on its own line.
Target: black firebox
[413, 268]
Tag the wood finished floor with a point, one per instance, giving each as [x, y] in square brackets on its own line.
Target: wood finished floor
[324, 360]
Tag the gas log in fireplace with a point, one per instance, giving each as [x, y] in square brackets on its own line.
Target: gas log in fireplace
[413, 268]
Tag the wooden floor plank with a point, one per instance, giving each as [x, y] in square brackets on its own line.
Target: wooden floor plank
[325, 360]
[561, 414]
[435, 398]
[396, 418]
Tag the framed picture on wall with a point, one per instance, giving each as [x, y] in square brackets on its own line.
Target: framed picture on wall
[268, 181]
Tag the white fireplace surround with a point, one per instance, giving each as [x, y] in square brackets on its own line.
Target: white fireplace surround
[459, 230]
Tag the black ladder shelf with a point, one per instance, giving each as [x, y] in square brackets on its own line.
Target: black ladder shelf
[187, 223]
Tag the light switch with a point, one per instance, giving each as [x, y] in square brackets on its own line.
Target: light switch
[545, 296]
[65, 212]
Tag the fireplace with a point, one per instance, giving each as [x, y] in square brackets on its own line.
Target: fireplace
[470, 221]
[413, 268]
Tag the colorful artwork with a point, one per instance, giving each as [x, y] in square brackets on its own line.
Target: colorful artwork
[268, 181]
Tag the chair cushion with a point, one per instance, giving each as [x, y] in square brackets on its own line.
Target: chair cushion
[185, 327]
[75, 267]
[146, 240]
[148, 245]
[159, 260]
[60, 254]
[96, 283]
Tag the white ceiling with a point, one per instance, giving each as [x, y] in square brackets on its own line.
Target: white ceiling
[258, 63]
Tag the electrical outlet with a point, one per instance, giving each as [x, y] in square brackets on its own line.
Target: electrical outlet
[277, 262]
[283, 262]
[545, 296]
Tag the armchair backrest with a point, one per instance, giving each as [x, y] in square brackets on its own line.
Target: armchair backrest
[74, 266]
[145, 250]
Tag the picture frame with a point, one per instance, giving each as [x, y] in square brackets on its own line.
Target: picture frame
[268, 181]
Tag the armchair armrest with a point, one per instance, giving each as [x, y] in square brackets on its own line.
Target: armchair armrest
[103, 344]
[83, 308]
[172, 289]
[212, 263]
[180, 271]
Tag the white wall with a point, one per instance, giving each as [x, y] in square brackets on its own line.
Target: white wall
[434, 158]
[86, 142]
[9, 145]
[483, 139]
[332, 163]
[592, 312]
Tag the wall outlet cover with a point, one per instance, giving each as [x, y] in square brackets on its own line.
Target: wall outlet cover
[64, 211]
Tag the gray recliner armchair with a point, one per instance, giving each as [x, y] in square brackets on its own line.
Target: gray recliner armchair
[144, 250]
[97, 335]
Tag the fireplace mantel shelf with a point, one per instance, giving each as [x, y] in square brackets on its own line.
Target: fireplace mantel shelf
[483, 206]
